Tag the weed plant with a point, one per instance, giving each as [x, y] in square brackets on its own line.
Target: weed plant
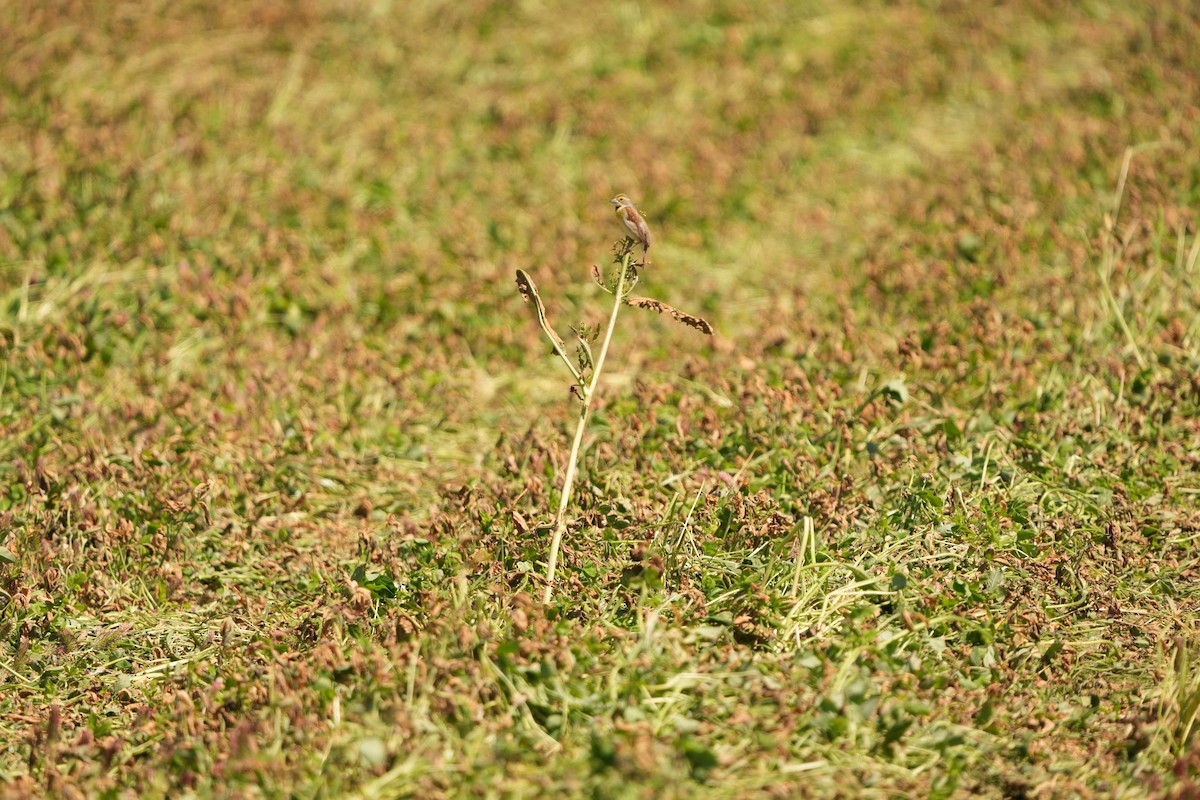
[586, 369]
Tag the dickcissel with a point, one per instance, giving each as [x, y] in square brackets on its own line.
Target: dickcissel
[634, 223]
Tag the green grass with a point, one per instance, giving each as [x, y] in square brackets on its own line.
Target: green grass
[280, 446]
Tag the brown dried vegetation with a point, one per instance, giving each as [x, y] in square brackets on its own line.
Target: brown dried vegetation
[276, 440]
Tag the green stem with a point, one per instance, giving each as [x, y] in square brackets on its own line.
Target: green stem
[560, 523]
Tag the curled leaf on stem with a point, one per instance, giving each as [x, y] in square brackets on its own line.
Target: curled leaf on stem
[692, 321]
[529, 294]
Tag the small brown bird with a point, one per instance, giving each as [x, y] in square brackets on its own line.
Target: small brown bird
[634, 223]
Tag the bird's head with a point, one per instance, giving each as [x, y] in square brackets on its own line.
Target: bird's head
[621, 201]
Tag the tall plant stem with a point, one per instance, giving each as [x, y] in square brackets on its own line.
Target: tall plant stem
[585, 413]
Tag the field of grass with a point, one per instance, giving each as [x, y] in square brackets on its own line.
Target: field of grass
[280, 445]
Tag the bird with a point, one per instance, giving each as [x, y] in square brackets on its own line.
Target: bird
[634, 223]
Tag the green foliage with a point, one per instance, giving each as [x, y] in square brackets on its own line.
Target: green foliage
[277, 448]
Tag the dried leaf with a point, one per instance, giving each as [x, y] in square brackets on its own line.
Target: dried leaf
[529, 293]
[698, 323]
